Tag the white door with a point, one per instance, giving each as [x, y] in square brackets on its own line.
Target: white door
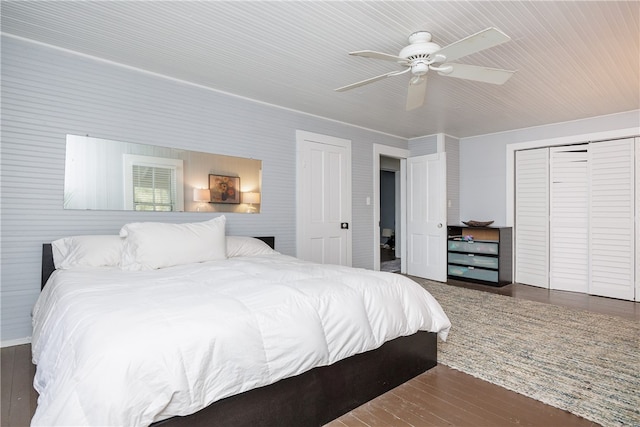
[427, 217]
[611, 219]
[324, 199]
[569, 219]
[532, 217]
[637, 225]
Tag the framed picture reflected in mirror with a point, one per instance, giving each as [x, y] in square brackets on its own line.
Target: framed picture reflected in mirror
[224, 189]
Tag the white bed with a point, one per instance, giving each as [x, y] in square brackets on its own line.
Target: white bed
[121, 347]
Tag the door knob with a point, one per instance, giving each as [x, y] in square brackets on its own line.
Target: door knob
[439, 225]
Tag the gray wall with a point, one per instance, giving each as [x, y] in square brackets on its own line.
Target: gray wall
[387, 201]
[452, 149]
[423, 146]
[483, 161]
[48, 93]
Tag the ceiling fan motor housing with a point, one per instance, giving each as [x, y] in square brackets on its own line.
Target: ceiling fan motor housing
[419, 53]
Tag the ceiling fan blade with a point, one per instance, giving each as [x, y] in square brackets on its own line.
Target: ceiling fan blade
[416, 92]
[473, 43]
[474, 72]
[371, 80]
[379, 55]
[363, 82]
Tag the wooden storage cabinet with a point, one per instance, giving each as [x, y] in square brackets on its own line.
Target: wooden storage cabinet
[486, 259]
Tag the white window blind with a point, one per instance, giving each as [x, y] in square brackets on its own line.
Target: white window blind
[154, 188]
[153, 183]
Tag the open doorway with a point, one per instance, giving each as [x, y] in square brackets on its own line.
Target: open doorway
[399, 156]
[390, 259]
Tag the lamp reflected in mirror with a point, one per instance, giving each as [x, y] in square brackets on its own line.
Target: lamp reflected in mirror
[250, 198]
[201, 195]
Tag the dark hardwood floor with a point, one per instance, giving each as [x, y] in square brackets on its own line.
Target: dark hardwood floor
[601, 305]
[439, 397]
[16, 377]
[387, 254]
[446, 397]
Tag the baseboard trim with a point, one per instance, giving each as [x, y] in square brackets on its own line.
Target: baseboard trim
[19, 341]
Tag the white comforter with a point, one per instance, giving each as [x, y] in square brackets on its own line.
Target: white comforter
[129, 348]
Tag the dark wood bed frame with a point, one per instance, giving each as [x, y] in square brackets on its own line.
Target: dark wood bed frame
[317, 396]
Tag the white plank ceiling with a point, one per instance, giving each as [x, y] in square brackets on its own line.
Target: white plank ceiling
[573, 59]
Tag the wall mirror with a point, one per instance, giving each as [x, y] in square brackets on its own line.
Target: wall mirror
[104, 174]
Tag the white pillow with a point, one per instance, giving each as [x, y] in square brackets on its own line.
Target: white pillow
[247, 246]
[153, 245]
[87, 251]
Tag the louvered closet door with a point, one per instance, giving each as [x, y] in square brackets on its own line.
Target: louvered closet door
[637, 224]
[532, 217]
[611, 218]
[568, 222]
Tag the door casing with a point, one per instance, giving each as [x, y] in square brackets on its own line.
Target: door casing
[396, 153]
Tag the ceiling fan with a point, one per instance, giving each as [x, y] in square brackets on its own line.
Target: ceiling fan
[422, 55]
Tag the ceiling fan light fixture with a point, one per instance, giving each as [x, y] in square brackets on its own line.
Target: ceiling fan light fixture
[419, 68]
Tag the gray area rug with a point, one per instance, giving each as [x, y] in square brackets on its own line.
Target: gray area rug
[581, 362]
[390, 266]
